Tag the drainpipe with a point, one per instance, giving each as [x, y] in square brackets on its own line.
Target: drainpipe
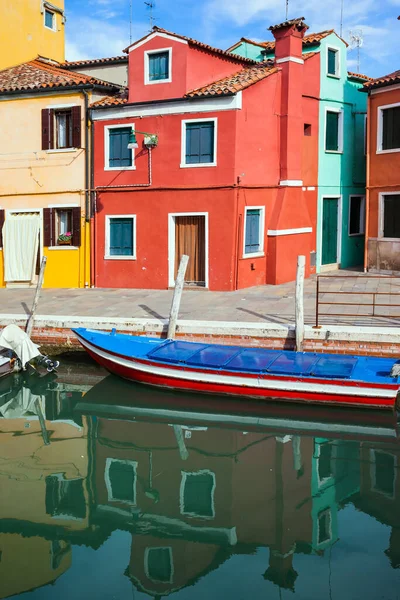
[87, 176]
[367, 191]
[92, 197]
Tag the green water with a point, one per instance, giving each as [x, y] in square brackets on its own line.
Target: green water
[113, 491]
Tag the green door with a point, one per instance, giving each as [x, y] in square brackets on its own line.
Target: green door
[329, 231]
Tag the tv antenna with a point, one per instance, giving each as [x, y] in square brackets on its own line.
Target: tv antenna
[287, 10]
[151, 6]
[356, 42]
[130, 20]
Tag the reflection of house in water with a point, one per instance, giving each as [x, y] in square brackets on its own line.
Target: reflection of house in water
[194, 496]
[44, 494]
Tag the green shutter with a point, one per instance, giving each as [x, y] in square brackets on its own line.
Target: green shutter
[121, 237]
[158, 66]
[332, 61]
[391, 128]
[200, 142]
[332, 131]
[119, 153]
[252, 234]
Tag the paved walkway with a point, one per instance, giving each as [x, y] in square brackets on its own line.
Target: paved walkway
[274, 304]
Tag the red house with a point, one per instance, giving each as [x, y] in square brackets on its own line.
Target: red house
[222, 165]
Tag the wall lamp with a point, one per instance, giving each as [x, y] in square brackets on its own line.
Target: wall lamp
[150, 139]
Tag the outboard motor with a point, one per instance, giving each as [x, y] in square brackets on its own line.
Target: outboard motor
[13, 338]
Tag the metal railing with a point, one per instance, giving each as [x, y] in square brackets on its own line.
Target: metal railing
[329, 297]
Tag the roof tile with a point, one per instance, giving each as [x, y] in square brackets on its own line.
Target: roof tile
[93, 62]
[308, 40]
[390, 79]
[234, 83]
[42, 74]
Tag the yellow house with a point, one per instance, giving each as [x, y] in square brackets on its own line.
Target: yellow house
[30, 28]
[45, 173]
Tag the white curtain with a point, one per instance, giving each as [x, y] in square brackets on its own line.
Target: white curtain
[20, 246]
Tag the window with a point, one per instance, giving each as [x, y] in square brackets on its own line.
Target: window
[120, 478]
[356, 215]
[199, 143]
[253, 232]
[58, 549]
[389, 128]
[118, 155]
[158, 564]
[62, 226]
[121, 237]
[390, 220]
[158, 66]
[197, 494]
[49, 19]
[65, 497]
[333, 62]
[61, 128]
[333, 131]
[307, 129]
[324, 526]
[383, 475]
[324, 465]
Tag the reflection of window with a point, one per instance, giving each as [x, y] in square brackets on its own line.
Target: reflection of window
[324, 465]
[197, 494]
[383, 473]
[158, 564]
[324, 526]
[120, 478]
[59, 549]
[65, 497]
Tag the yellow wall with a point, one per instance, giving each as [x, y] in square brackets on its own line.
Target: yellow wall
[23, 35]
[32, 178]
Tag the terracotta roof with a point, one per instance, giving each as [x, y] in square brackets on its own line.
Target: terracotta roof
[234, 83]
[197, 44]
[41, 74]
[308, 40]
[299, 22]
[94, 62]
[390, 79]
[359, 76]
[308, 55]
[111, 101]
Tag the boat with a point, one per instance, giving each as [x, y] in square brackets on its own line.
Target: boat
[247, 372]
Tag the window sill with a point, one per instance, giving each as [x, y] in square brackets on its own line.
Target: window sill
[388, 151]
[133, 168]
[387, 239]
[106, 257]
[333, 151]
[60, 150]
[332, 76]
[148, 82]
[197, 165]
[356, 234]
[63, 247]
[253, 255]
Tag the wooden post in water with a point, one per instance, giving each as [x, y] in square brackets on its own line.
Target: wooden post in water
[29, 325]
[176, 300]
[299, 303]
[39, 412]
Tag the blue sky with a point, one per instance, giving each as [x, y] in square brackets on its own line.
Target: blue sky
[99, 28]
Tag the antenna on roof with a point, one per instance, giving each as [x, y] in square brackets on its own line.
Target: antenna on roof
[341, 17]
[356, 41]
[130, 20]
[287, 10]
[151, 6]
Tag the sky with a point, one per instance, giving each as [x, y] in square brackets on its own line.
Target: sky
[100, 28]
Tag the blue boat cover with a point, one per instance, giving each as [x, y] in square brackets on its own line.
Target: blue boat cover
[176, 351]
[213, 356]
[252, 359]
[293, 364]
[330, 366]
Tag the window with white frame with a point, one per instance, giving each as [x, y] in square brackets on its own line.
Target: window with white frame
[158, 564]
[120, 477]
[389, 128]
[356, 215]
[49, 19]
[333, 62]
[324, 454]
[199, 143]
[117, 154]
[324, 526]
[253, 231]
[158, 65]
[197, 494]
[333, 130]
[121, 237]
[390, 216]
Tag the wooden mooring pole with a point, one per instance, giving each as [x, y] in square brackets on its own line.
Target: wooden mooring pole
[176, 300]
[29, 325]
[299, 303]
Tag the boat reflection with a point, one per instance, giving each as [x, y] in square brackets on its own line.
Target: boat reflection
[193, 483]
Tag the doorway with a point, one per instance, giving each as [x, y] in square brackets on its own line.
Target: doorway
[330, 232]
[21, 247]
[188, 235]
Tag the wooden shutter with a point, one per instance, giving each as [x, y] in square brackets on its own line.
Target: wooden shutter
[119, 153]
[332, 131]
[331, 62]
[200, 142]
[2, 213]
[252, 241]
[76, 127]
[49, 227]
[76, 226]
[47, 129]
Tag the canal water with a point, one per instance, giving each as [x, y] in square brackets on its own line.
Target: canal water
[113, 491]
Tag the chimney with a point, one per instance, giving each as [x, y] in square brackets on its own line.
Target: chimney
[289, 58]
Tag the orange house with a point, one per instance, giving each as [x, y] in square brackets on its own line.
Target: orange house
[382, 249]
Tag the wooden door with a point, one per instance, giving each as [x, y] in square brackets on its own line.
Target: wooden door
[190, 239]
[330, 231]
